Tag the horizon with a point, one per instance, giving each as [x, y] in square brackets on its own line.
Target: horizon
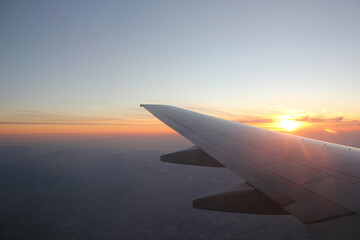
[80, 159]
[71, 67]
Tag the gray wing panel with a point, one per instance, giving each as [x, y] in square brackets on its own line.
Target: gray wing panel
[311, 179]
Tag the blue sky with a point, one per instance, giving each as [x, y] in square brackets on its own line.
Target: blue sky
[104, 58]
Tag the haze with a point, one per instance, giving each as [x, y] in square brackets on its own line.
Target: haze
[85, 66]
[79, 159]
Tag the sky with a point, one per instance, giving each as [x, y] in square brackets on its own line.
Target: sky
[86, 66]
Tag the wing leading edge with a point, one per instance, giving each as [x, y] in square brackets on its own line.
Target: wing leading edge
[316, 181]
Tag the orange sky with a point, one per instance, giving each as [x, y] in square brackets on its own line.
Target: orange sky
[144, 122]
[35, 128]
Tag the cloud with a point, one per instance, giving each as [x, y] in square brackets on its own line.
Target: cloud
[332, 124]
[254, 120]
[319, 119]
[210, 110]
[330, 131]
[37, 117]
[251, 119]
[43, 118]
[59, 123]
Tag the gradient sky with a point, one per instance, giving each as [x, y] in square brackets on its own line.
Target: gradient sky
[85, 66]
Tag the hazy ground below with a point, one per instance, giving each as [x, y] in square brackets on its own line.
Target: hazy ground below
[115, 187]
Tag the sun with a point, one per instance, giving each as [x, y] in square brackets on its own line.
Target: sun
[288, 124]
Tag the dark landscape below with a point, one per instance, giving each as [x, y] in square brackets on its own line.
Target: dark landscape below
[115, 187]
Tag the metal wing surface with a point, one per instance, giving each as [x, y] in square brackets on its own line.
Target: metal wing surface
[315, 181]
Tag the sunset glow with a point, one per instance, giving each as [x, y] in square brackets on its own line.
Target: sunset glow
[99, 98]
[290, 121]
[288, 124]
[54, 128]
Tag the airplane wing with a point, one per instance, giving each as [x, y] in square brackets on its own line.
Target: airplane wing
[317, 182]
